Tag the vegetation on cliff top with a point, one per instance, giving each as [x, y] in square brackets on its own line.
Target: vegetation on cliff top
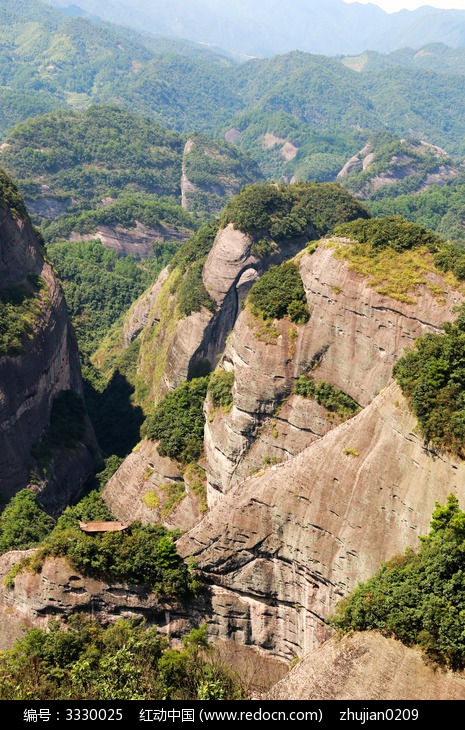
[279, 293]
[419, 598]
[441, 208]
[280, 213]
[10, 197]
[140, 555]
[127, 660]
[390, 232]
[398, 257]
[325, 394]
[177, 422]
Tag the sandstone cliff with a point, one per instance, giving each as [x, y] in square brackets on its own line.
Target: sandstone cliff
[173, 347]
[153, 489]
[137, 241]
[374, 167]
[283, 542]
[367, 667]
[30, 380]
[58, 591]
[283, 546]
[352, 339]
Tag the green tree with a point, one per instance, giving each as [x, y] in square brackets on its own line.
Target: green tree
[177, 423]
[432, 377]
[23, 524]
[280, 293]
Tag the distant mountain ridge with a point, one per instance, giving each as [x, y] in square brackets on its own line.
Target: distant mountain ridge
[269, 27]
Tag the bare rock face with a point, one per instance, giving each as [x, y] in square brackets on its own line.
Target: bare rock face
[137, 241]
[367, 666]
[30, 381]
[281, 548]
[409, 162]
[228, 274]
[144, 312]
[167, 340]
[228, 258]
[182, 347]
[140, 488]
[352, 340]
[59, 591]
[357, 163]
[19, 251]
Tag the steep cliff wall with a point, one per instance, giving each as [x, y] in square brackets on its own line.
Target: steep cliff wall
[353, 337]
[31, 378]
[59, 591]
[141, 489]
[282, 547]
[174, 347]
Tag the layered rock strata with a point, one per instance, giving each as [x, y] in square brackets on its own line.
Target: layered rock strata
[281, 548]
[30, 381]
[58, 591]
[352, 339]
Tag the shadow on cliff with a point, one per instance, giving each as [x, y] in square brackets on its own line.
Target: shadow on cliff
[115, 419]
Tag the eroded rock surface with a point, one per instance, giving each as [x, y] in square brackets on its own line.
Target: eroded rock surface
[140, 487]
[30, 381]
[367, 666]
[58, 591]
[281, 548]
[352, 340]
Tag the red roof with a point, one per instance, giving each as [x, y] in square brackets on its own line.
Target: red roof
[103, 526]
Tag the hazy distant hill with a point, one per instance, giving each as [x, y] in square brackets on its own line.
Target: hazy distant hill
[437, 57]
[267, 27]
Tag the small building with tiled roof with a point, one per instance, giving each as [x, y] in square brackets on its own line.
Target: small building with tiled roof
[103, 526]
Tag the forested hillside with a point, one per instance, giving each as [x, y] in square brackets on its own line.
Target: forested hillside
[193, 90]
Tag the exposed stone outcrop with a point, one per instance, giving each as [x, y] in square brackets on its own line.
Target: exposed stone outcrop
[181, 347]
[281, 548]
[144, 312]
[31, 380]
[352, 339]
[58, 591]
[137, 241]
[138, 490]
[282, 543]
[19, 252]
[228, 274]
[187, 187]
[427, 163]
[367, 666]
